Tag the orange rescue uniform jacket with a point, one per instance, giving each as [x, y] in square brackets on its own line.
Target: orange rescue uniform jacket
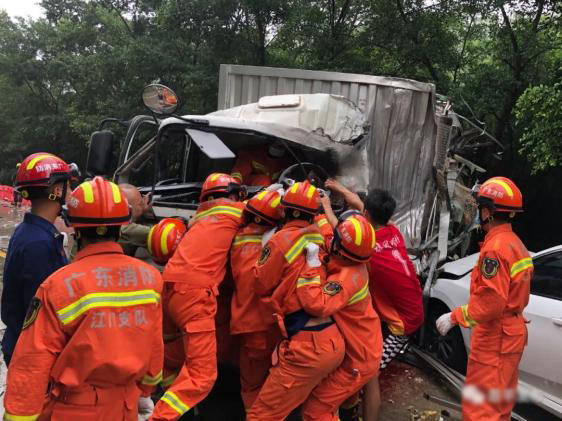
[280, 264]
[499, 292]
[325, 228]
[247, 315]
[343, 293]
[96, 322]
[254, 166]
[202, 254]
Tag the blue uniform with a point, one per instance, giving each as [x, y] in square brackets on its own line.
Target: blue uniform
[35, 252]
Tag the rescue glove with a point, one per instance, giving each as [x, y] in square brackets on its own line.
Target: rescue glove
[444, 323]
[146, 406]
[312, 251]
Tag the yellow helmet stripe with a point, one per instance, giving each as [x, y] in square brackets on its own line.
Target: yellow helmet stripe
[374, 240]
[164, 238]
[358, 231]
[215, 176]
[35, 160]
[295, 187]
[88, 192]
[116, 192]
[149, 240]
[261, 195]
[501, 183]
[310, 192]
[276, 202]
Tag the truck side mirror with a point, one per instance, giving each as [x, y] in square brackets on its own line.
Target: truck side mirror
[100, 153]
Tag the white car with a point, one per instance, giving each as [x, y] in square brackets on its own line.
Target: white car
[540, 371]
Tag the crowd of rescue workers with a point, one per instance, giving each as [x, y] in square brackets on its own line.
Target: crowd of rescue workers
[294, 293]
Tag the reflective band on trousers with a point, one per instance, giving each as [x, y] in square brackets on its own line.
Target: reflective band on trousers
[219, 210]
[106, 299]
[152, 381]
[10, 417]
[301, 282]
[359, 295]
[175, 403]
[300, 244]
[521, 265]
[469, 321]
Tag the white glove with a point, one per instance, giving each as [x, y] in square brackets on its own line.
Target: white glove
[444, 324]
[312, 251]
[267, 236]
[146, 406]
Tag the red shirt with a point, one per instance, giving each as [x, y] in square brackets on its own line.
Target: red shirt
[394, 285]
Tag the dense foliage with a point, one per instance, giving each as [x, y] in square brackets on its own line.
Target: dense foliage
[499, 61]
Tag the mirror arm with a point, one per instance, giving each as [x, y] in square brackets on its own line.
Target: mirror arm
[156, 160]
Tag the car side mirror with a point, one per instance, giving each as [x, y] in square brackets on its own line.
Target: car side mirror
[100, 153]
[159, 99]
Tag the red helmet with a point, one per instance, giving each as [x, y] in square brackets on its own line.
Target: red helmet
[354, 236]
[164, 237]
[265, 205]
[97, 202]
[219, 183]
[501, 195]
[302, 196]
[41, 170]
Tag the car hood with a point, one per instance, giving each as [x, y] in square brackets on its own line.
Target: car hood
[462, 266]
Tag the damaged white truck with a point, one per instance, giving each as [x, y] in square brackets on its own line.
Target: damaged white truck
[390, 133]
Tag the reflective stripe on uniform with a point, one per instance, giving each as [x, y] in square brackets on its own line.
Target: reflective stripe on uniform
[244, 239]
[469, 321]
[106, 299]
[300, 244]
[168, 380]
[301, 282]
[10, 417]
[219, 210]
[152, 381]
[322, 222]
[175, 403]
[237, 175]
[359, 295]
[521, 265]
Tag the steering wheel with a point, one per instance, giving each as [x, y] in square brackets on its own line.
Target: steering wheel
[305, 171]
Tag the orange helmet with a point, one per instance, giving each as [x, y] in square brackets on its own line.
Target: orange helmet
[500, 194]
[265, 206]
[164, 237]
[302, 196]
[219, 183]
[41, 170]
[354, 237]
[97, 202]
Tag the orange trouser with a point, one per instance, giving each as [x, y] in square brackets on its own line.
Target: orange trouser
[89, 403]
[497, 385]
[193, 310]
[325, 400]
[303, 362]
[255, 362]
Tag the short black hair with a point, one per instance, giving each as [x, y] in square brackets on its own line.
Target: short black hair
[380, 205]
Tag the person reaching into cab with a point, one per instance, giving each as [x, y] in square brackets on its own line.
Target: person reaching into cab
[258, 333]
[191, 280]
[499, 292]
[92, 336]
[341, 290]
[260, 166]
[312, 347]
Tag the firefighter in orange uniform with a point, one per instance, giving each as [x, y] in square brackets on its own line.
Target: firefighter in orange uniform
[344, 295]
[258, 333]
[313, 347]
[191, 280]
[259, 166]
[94, 329]
[499, 292]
